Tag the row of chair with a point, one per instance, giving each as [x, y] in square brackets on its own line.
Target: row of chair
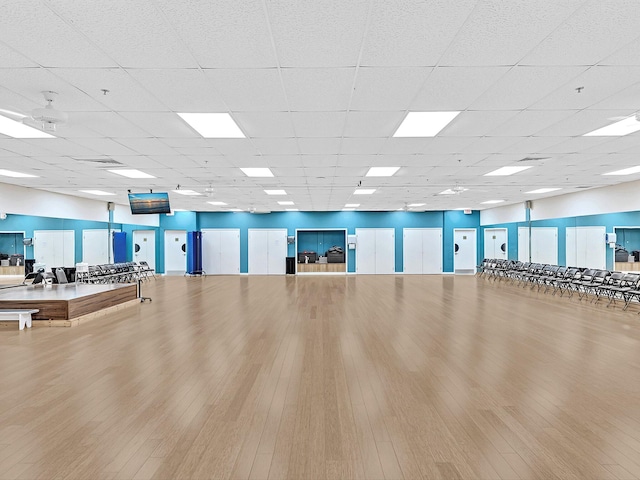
[125, 272]
[585, 282]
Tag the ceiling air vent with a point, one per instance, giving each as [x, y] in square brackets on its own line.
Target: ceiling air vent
[533, 159]
[107, 162]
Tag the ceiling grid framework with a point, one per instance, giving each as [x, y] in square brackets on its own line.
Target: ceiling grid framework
[319, 90]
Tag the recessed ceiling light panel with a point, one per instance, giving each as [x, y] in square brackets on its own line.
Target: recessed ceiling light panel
[382, 171]
[217, 204]
[490, 202]
[97, 192]
[625, 171]
[131, 173]
[275, 192]
[543, 190]
[414, 205]
[287, 202]
[504, 171]
[352, 205]
[11, 173]
[424, 124]
[257, 172]
[213, 125]
[617, 129]
[191, 193]
[364, 191]
[14, 129]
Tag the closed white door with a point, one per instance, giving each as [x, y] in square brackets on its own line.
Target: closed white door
[144, 247]
[175, 252]
[585, 247]
[495, 243]
[544, 245]
[365, 250]
[267, 251]
[54, 248]
[385, 251]
[422, 250]
[523, 244]
[97, 246]
[464, 251]
[221, 251]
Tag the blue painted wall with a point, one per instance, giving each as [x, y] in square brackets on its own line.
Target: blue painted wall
[11, 243]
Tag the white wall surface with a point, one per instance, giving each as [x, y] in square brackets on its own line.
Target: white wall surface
[507, 214]
[29, 201]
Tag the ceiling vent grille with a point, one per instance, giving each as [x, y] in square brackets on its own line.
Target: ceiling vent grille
[107, 162]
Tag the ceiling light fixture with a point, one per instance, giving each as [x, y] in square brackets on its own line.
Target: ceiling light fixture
[97, 192]
[617, 129]
[382, 171]
[287, 202]
[414, 205]
[543, 190]
[213, 125]
[11, 173]
[191, 193]
[131, 173]
[14, 129]
[424, 124]
[217, 204]
[275, 192]
[504, 171]
[490, 202]
[625, 171]
[256, 172]
[352, 205]
[364, 191]
[292, 209]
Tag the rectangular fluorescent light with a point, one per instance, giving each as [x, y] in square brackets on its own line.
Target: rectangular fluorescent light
[275, 192]
[235, 210]
[286, 203]
[618, 129]
[131, 173]
[364, 191]
[257, 172]
[504, 171]
[625, 171]
[490, 202]
[413, 205]
[97, 192]
[382, 171]
[11, 173]
[180, 210]
[453, 191]
[213, 125]
[14, 129]
[348, 209]
[292, 209]
[187, 192]
[352, 205]
[543, 190]
[424, 124]
[217, 204]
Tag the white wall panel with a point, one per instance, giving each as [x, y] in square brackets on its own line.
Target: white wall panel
[221, 251]
[54, 248]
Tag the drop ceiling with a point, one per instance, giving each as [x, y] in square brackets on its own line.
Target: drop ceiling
[319, 88]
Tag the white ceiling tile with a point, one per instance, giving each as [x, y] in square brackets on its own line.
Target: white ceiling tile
[310, 161]
[319, 124]
[455, 88]
[270, 146]
[361, 145]
[489, 144]
[249, 90]
[108, 124]
[104, 146]
[583, 122]
[398, 146]
[318, 34]
[124, 92]
[590, 35]
[319, 146]
[224, 34]
[529, 122]
[181, 90]
[522, 87]
[372, 124]
[235, 146]
[625, 99]
[147, 146]
[12, 59]
[385, 88]
[35, 31]
[265, 124]
[160, 124]
[320, 89]
[497, 33]
[476, 123]
[409, 33]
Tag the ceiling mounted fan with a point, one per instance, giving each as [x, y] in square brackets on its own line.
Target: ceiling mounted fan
[44, 118]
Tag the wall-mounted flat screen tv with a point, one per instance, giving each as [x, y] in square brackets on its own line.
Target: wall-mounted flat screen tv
[144, 203]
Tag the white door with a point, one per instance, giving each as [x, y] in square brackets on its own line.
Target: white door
[221, 251]
[544, 245]
[585, 247]
[144, 247]
[464, 250]
[97, 246]
[175, 252]
[365, 250]
[495, 243]
[375, 250]
[54, 248]
[523, 244]
[267, 251]
[422, 250]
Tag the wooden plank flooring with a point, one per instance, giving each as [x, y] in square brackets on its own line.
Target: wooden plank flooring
[388, 377]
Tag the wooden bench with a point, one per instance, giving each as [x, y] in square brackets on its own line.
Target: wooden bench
[23, 317]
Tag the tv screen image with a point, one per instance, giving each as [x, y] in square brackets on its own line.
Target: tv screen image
[145, 203]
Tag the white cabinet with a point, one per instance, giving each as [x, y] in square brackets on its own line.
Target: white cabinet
[267, 251]
[375, 250]
[422, 250]
[221, 251]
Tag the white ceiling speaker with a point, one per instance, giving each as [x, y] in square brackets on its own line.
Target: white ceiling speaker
[48, 116]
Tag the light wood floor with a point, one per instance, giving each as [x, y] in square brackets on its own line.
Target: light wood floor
[435, 377]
